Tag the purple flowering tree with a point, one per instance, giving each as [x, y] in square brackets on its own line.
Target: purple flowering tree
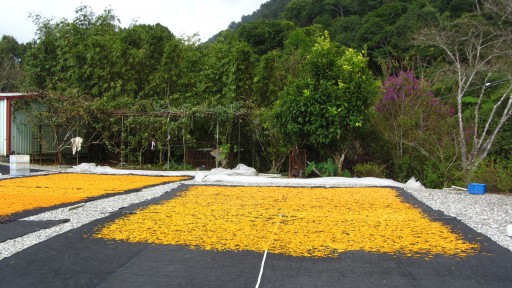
[417, 123]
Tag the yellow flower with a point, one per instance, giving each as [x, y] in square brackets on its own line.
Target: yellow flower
[315, 222]
[20, 194]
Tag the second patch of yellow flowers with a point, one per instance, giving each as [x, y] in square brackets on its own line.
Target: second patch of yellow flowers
[315, 222]
[26, 193]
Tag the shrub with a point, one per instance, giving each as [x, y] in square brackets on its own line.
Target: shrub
[326, 169]
[178, 167]
[370, 169]
[495, 174]
[433, 177]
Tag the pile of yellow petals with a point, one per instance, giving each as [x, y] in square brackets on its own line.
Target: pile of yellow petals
[313, 222]
[20, 194]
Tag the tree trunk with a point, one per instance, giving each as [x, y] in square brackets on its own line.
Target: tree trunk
[339, 159]
[276, 165]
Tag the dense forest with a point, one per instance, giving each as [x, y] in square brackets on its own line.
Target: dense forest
[368, 88]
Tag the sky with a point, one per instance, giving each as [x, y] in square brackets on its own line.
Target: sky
[181, 17]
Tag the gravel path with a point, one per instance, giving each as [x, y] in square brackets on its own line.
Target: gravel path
[488, 214]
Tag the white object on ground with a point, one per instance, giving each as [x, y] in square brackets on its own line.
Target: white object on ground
[239, 170]
[413, 183]
[509, 230]
[367, 181]
[19, 165]
[90, 168]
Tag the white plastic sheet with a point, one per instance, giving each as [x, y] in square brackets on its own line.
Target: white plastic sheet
[245, 174]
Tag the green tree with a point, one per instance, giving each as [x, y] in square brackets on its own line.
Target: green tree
[296, 11]
[331, 103]
[227, 74]
[270, 79]
[64, 116]
[81, 54]
[345, 29]
[11, 64]
[500, 9]
[379, 32]
[166, 81]
[297, 48]
[74, 66]
[191, 78]
[265, 35]
[141, 55]
[273, 145]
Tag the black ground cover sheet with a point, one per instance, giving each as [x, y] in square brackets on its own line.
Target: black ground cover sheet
[6, 170]
[15, 229]
[74, 259]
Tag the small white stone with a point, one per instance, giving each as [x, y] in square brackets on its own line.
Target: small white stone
[509, 230]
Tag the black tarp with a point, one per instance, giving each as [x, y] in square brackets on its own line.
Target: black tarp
[74, 259]
[15, 229]
[6, 170]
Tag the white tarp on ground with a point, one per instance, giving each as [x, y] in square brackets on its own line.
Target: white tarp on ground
[244, 174]
[367, 181]
[239, 170]
[93, 168]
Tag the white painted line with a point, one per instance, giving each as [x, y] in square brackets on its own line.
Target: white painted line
[261, 270]
[266, 251]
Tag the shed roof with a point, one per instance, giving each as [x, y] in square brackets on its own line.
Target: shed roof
[16, 95]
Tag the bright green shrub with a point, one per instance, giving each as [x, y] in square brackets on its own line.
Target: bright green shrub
[326, 169]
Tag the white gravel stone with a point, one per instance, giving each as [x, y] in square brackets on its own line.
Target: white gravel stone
[488, 214]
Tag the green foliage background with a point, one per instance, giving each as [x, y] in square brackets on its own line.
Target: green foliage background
[293, 73]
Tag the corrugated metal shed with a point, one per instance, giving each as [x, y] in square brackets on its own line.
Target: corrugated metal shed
[15, 132]
[21, 134]
[3, 127]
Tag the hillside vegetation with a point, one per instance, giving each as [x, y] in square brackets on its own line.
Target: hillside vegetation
[368, 88]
